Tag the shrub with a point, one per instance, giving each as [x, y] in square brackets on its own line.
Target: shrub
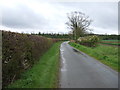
[90, 41]
[20, 52]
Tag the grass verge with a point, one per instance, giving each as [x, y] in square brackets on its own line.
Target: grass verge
[44, 74]
[105, 54]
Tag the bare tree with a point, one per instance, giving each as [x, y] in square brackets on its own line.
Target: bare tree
[78, 23]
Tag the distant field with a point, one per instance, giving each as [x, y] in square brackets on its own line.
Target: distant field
[111, 42]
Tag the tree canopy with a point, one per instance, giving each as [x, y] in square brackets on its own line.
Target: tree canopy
[78, 23]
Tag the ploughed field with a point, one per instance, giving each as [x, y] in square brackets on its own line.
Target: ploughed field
[111, 42]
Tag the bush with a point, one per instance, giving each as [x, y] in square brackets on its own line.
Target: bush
[90, 41]
[20, 52]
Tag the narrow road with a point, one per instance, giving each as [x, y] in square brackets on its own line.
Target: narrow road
[79, 70]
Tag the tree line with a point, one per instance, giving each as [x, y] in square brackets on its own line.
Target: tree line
[52, 35]
[70, 36]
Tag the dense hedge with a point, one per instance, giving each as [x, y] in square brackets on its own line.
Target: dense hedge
[90, 41]
[20, 52]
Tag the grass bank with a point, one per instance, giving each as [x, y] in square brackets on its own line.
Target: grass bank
[44, 74]
[105, 54]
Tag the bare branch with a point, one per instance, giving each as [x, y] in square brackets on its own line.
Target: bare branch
[78, 22]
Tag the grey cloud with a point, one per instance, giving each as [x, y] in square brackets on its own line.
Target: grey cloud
[119, 17]
[22, 17]
[103, 14]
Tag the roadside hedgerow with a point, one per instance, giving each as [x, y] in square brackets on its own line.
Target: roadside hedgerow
[90, 41]
[20, 52]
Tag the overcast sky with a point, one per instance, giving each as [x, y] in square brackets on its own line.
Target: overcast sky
[43, 16]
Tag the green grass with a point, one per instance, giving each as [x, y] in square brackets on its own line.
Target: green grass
[44, 74]
[105, 54]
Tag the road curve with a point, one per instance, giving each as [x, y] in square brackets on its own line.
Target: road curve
[79, 70]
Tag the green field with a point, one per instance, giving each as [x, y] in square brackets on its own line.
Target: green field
[44, 74]
[111, 42]
[105, 54]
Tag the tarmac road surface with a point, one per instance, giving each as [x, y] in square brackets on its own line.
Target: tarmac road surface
[78, 70]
